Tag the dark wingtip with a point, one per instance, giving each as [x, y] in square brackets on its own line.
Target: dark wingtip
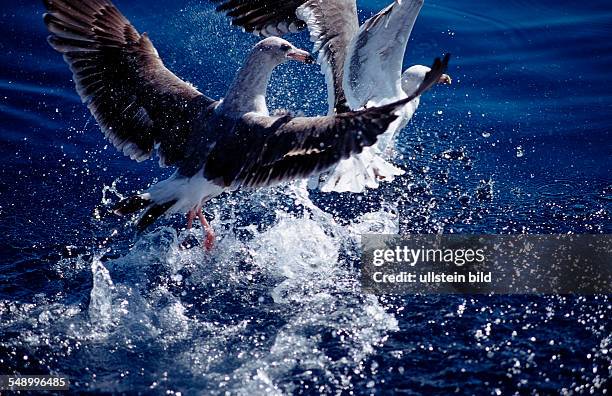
[131, 205]
[152, 214]
[446, 61]
[439, 67]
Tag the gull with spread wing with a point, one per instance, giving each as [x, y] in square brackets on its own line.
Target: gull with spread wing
[362, 66]
[216, 146]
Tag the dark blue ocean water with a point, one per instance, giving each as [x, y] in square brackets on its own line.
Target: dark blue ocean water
[520, 144]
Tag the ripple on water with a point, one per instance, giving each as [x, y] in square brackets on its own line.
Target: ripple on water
[558, 188]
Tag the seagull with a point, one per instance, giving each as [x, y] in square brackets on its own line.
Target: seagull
[216, 146]
[362, 66]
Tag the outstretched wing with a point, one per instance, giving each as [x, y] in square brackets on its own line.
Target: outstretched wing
[373, 68]
[332, 25]
[263, 17]
[282, 149]
[138, 103]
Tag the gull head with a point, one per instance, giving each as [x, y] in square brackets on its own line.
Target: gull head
[414, 76]
[280, 51]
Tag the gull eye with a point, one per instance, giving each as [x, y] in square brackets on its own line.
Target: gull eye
[285, 47]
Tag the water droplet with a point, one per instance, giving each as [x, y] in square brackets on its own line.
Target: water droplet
[519, 152]
[486, 134]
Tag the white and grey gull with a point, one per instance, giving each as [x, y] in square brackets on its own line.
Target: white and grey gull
[362, 66]
[215, 145]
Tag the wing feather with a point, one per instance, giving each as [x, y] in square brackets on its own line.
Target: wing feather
[263, 17]
[332, 25]
[138, 103]
[374, 67]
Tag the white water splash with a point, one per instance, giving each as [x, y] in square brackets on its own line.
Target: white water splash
[321, 295]
[101, 297]
[244, 319]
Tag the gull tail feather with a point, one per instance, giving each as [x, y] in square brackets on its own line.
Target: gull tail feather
[152, 214]
[139, 202]
[132, 205]
[358, 173]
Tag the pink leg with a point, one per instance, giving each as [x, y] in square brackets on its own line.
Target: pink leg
[190, 216]
[209, 242]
